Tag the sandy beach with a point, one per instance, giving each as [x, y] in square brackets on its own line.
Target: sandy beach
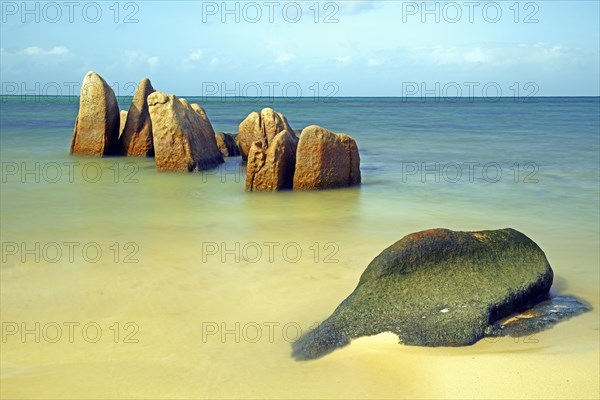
[224, 329]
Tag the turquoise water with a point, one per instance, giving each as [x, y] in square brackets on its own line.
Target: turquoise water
[533, 167]
[413, 151]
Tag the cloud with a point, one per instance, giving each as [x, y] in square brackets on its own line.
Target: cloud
[195, 55]
[353, 7]
[343, 59]
[38, 51]
[279, 53]
[546, 53]
[129, 60]
[476, 56]
[137, 58]
[192, 59]
[440, 55]
[35, 58]
[152, 61]
[284, 57]
[496, 55]
[373, 62]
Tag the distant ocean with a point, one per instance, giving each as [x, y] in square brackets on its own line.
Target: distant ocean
[537, 156]
[465, 165]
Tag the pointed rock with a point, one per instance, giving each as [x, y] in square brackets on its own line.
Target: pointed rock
[96, 130]
[136, 139]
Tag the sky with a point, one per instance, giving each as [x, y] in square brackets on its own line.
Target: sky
[304, 48]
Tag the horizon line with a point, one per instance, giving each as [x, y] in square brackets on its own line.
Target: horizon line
[322, 97]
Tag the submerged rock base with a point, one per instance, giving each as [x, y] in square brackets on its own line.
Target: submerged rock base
[541, 316]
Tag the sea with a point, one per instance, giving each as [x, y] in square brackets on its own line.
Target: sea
[118, 281]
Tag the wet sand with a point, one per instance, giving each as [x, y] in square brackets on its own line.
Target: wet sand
[176, 295]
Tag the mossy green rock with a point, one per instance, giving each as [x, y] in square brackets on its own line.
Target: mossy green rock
[437, 288]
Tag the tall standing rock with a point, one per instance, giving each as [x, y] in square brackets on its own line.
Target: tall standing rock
[136, 139]
[272, 168]
[182, 141]
[326, 160]
[206, 125]
[208, 138]
[355, 177]
[261, 128]
[96, 130]
[247, 133]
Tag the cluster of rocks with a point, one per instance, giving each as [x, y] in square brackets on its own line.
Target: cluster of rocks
[277, 159]
[176, 133]
[181, 138]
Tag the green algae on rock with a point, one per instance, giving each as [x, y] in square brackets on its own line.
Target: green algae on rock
[437, 288]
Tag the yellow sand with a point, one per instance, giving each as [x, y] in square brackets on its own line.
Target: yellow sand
[171, 294]
[169, 302]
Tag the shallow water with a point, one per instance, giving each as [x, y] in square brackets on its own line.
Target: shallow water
[200, 287]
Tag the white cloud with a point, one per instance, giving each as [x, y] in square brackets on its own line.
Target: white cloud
[476, 56]
[546, 53]
[133, 60]
[35, 58]
[152, 61]
[195, 55]
[440, 55]
[38, 51]
[199, 58]
[279, 53]
[60, 50]
[192, 59]
[352, 7]
[284, 57]
[499, 55]
[33, 50]
[373, 62]
[343, 59]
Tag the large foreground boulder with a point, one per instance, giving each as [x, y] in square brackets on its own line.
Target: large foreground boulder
[272, 169]
[261, 128]
[96, 130]
[182, 140]
[326, 160]
[437, 288]
[136, 139]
